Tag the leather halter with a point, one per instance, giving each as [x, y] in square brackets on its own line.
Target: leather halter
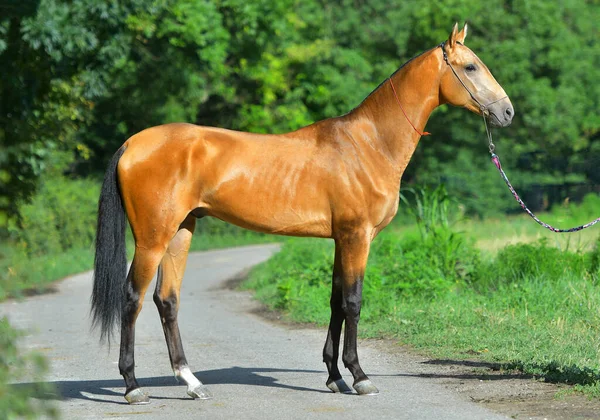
[482, 107]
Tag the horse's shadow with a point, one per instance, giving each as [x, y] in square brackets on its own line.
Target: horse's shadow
[103, 390]
[95, 390]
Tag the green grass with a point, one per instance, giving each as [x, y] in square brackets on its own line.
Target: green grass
[534, 307]
[495, 233]
[21, 275]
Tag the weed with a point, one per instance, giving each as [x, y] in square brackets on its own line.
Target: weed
[430, 208]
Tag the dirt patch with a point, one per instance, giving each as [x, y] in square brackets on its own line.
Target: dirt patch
[511, 393]
[37, 290]
[234, 282]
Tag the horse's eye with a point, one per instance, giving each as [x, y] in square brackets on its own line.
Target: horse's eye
[470, 67]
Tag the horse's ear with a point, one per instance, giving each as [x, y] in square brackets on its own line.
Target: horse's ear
[462, 35]
[452, 38]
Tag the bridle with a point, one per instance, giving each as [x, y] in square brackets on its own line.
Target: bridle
[495, 158]
[484, 108]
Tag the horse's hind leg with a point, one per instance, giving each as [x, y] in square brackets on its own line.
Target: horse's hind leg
[143, 268]
[166, 298]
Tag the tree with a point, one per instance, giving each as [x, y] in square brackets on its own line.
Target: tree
[72, 92]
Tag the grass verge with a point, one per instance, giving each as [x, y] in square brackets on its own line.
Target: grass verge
[532, 307]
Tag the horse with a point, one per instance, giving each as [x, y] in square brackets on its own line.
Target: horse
[338, 178]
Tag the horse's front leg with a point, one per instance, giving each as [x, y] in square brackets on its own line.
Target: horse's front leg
[354, 252]
[332, 343]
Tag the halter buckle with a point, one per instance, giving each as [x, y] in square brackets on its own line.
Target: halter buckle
[442, 46]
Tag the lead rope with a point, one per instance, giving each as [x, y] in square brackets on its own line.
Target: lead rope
[496, 161]
[496, 158]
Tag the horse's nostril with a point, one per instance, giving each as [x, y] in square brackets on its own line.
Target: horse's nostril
[509, 111]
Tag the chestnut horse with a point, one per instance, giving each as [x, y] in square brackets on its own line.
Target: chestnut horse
[338, 178]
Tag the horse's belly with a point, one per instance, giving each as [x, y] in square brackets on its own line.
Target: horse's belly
[296, 212]
[269, 220]
[282, 191]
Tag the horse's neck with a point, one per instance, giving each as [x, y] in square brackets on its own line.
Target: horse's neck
[417, 85]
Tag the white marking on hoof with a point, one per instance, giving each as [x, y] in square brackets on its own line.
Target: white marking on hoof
[366, 387]
[339, 386]
[195, 388]
[201, 392]
[137, 396]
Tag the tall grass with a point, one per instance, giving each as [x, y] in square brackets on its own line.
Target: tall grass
[430, 208]
[493, 234]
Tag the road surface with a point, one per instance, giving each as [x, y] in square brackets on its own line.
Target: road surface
[255, 369]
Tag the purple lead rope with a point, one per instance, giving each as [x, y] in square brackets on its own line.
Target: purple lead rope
[484, 113]
[496, 161]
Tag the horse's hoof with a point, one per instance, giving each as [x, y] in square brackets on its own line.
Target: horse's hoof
[200, 392]
[137, 396]
[340, 386]
[366, 387]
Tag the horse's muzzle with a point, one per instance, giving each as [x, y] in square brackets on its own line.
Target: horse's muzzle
[501, 113]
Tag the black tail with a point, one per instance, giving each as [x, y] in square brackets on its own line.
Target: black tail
[110, 262]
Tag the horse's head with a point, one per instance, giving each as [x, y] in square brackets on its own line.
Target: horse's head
[467, 82]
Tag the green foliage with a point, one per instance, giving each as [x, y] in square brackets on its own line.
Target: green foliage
[22, 274]
[53, 237]
[61, 216]
[429, 266]
[272, 66]
[516, 263]
[585, 211]
[16, 401]
[430, 208]
[298, 278]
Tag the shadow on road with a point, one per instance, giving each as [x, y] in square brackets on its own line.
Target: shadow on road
[95, 390]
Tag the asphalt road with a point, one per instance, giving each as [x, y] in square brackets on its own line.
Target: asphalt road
[255, 369]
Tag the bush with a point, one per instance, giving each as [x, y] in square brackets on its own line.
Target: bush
[62, 215]
[15, 400]
[298, 278]
[53, 238]
[540, 261]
